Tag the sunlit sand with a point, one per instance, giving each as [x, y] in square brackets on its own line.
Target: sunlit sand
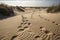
[33, 24]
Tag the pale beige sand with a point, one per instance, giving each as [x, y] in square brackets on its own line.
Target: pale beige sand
[34, 24]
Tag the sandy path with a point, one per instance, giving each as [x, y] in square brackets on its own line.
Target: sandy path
[33, 25]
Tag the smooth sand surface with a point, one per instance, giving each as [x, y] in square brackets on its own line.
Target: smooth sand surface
[33, 24]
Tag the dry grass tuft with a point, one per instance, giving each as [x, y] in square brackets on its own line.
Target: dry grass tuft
[54, 9]
[6, 10]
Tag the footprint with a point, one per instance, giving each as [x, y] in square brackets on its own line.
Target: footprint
[56, 24]
[25, 27]
[27, 36]
[53, 22]
[14, 37]
[22, 23]
[29, 23]
[19, 26]
[37, 36]
[41, 27]
[27, 20]
[44, 34]
[46, 31]
[20, 30]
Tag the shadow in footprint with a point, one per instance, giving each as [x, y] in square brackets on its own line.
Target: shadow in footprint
[14, 37]
[26, 20]
[22, 23]
[53, 22]
[20, 30]
[25, 23]
[46, 31]
[29, 23]
[37, 36]
[41, 27]
[19, 26]
[56, 24]
[25, 27]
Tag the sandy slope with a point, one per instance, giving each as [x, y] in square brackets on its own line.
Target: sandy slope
[8, 26]
[33, 25]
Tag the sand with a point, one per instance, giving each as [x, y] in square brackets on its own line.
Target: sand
[33, 24]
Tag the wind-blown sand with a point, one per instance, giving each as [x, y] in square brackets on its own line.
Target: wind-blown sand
[33, 24]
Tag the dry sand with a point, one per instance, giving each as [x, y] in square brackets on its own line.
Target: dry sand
[33, 24]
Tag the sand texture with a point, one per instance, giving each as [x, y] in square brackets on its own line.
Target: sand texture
[33, 24]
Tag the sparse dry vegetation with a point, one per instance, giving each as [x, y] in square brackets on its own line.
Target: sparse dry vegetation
[6, 10]
[20, 9]
[54, 9]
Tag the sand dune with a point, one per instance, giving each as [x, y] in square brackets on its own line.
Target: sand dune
[33, 24]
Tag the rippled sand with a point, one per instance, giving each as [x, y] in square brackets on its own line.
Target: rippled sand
[33, 24]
